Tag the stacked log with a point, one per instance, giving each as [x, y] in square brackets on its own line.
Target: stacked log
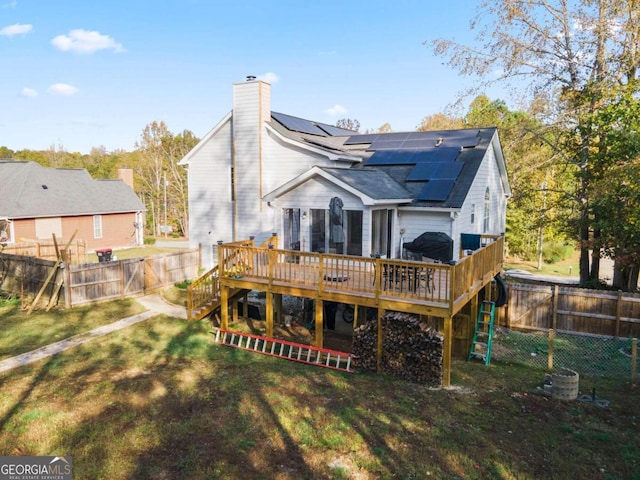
[411, 350]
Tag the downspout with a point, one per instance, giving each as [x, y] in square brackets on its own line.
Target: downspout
[453, 216]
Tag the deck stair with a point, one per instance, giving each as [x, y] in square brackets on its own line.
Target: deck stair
[297, 352]
[483, 333]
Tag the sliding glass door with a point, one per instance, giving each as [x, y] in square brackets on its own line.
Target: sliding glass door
[381, 230]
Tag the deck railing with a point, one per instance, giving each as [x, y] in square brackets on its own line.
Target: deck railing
[444, 285]
[203, 293]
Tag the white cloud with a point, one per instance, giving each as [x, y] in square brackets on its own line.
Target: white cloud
[12, 4]
[336, 110]
[28, 92]
[16, 29]
[62, 89]
[84, 41]
[269, 77]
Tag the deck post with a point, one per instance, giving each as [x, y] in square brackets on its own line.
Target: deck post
[472, 321]
[379, 341]
[224, 307]
[269, 313]
[278, 298]
[245, 305]
[319, 322]
[234, 310]
[446, 361]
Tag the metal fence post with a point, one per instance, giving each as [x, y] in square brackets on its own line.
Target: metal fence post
[634, 361]
[550, 359]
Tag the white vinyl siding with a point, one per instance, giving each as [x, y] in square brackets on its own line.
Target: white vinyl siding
[210, 206]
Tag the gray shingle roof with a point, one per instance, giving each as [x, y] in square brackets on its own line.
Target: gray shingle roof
[469, 147]
[30, 190]
[374, 183]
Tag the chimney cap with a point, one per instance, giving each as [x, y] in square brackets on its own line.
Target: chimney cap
[250, 78]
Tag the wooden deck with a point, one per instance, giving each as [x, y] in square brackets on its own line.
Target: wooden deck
[435, 289]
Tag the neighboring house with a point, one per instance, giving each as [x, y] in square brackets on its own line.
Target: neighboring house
[36, 202]
[327, 189]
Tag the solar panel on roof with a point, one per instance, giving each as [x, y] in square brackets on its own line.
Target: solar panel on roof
[434, 171]
[389, 137]
[390, 157]
[447, 170]
[334, 131]
[451, 138]
[420, 143]
[436, 190]
[297, 124]
[378, 145]
[357, 139]
[440, 154]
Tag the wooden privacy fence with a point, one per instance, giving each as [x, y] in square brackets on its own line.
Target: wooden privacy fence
[561, 308]
[46, 249]
[94, 282]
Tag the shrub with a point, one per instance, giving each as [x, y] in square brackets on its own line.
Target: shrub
[149, 241]
[553, 252]
[183, 284]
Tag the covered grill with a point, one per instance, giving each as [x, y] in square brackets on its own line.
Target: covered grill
[433, 245]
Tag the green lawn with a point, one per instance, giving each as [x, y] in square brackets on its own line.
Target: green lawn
[568, 267]
[159, 400]
[22, 333]
[135, 252]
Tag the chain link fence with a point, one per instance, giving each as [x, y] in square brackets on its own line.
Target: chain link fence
[590, 356]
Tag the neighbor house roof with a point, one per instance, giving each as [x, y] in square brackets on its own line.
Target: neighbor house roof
[29, 190]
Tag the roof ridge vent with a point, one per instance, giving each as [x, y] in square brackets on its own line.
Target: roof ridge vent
[250, 78]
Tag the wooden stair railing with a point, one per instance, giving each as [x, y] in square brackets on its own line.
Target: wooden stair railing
[203, 295]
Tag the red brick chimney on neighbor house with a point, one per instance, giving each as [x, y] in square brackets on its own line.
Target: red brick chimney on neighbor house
[126, 175]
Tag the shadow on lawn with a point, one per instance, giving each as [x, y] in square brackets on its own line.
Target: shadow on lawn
[158, 406]
[159, 400]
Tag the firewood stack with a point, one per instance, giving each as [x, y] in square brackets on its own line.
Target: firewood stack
[410, 349]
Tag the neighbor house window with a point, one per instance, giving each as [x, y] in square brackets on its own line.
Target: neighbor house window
[487, 210]
[473, 213]
[97, 226]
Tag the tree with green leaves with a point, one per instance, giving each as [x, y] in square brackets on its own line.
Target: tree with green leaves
[162, 183]
[568, 56]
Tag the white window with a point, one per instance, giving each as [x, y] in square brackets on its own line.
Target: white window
[487, 211]
[97, 226]
[46, 227]
[473, 213]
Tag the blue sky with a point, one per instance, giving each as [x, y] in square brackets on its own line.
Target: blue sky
[80, 73]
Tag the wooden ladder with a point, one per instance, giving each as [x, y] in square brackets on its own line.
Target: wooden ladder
[297, 352]
[483, 333]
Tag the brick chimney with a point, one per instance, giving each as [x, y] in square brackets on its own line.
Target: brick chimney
[126, 175]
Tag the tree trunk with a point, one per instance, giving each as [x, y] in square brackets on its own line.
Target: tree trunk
[595, 257]
[625, 277]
